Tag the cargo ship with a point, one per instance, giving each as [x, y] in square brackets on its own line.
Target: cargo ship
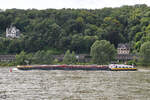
[111, 67]
[64, 67]
[121, 67]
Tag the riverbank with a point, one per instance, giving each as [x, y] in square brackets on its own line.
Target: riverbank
[7, 64]
[143, 67]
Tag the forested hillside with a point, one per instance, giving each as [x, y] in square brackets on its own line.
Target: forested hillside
[74, 29]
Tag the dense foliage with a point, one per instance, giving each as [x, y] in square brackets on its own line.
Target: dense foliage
[74, 29]
[145, 53]
[102, 52]
[39, 57]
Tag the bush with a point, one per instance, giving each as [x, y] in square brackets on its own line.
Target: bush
[132, 62]
[40, 57]
[69, 58]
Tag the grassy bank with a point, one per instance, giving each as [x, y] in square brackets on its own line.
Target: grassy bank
[7, 64]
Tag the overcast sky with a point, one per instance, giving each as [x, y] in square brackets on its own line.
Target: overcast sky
[91, 4]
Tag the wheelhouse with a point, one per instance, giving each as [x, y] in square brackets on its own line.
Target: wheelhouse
[121, 67]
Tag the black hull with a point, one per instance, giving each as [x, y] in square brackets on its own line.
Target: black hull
[60, 68]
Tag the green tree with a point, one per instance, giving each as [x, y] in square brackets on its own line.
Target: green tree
[112, 30]
[47, 57]
[42, 57]
[79, 24]
[88, 41]
[102, 52]
[145, 53]
[73, 57]
[69, 58]
[21, 59]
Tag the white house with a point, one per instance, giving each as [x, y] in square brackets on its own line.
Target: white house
[12, 32]
[123, 52]
[123, 49]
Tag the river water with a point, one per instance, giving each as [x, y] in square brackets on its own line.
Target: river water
[74, 85]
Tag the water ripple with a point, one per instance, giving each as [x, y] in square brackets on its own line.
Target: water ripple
[74, 85]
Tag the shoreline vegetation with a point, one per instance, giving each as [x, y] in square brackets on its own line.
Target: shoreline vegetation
[98, 33]
[99, 56]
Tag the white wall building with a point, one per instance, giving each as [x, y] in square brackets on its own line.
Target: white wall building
[123, 49]
[123, 52]
[12, 32]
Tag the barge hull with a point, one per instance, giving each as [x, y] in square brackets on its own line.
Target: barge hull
[60, 67]
[73, 67]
